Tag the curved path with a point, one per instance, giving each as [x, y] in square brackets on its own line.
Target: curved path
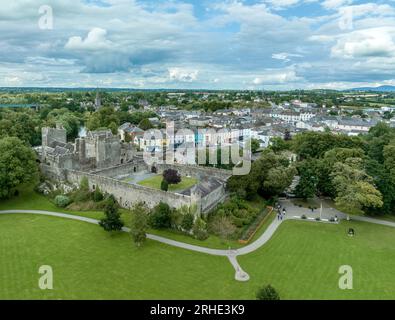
[231, 254]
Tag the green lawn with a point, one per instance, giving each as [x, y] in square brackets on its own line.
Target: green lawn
[156, 181]
[301, 261]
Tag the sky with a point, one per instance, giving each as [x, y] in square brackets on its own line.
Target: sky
[192, 44]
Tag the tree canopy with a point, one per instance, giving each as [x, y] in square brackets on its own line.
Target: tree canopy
[17, 165]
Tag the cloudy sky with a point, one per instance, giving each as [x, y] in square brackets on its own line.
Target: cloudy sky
[213, 44]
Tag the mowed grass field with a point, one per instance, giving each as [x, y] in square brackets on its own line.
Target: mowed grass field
[301, 261]
[30, 200]
[155, 182]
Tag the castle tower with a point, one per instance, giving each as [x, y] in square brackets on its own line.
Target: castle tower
[97, 101]
[50, 135]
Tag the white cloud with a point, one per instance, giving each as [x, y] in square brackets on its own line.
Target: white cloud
[183, 75]
[285, 56]
[334, 4]
[375, 42]
[95, 40]
[276, 77]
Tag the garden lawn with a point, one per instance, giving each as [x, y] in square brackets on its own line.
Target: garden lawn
[30, 200]
[155, 182]
[301, 261]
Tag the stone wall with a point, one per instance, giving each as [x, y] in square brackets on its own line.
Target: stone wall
[127, 194]
[213, 199]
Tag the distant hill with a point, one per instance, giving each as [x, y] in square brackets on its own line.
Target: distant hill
[376, 89]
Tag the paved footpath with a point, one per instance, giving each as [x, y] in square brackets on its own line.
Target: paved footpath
[230, 254]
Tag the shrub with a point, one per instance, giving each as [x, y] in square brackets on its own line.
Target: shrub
[97, 195]
[139, 223]
[112, 220]
[164, 186]
[201, 234]
[84, 184]
[160, 217]
[304, 217]
[200, 229]
[81, 195]
[62, 201]
[172, 176]
[267, 293]
[318, 219]
[187, 222]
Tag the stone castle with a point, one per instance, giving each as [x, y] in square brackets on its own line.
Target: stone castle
[106, 161]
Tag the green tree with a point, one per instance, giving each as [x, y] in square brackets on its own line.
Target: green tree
[354, 187]
[160, 217]
[223, 227]
[112, 220]
[255, 145]
[270, 176]
[145, 124]
[139, 224]
[17, 166]
[199, 229]
[307, 187]
[278, 144]
[267, 293]
[98, 195]
[69, 121]
[187, 221]
[164, 186]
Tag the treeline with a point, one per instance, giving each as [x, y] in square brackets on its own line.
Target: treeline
[357, 172]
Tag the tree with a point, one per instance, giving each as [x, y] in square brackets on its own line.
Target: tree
[25, 125]
[316, 144]
[160, 217]
[278, 144]
[223, 227]
[172, 176]
[354, 187]
[164, 186]
[68, 120]
[103, 118]
[267, 293]
[255, 145]
[270, 176]
[199, 229]
[17, 166]
[84, 184]
[112, 220]
[139, 224]
[307, 187]
[97, 195]
[145, 124]
[187, 221]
